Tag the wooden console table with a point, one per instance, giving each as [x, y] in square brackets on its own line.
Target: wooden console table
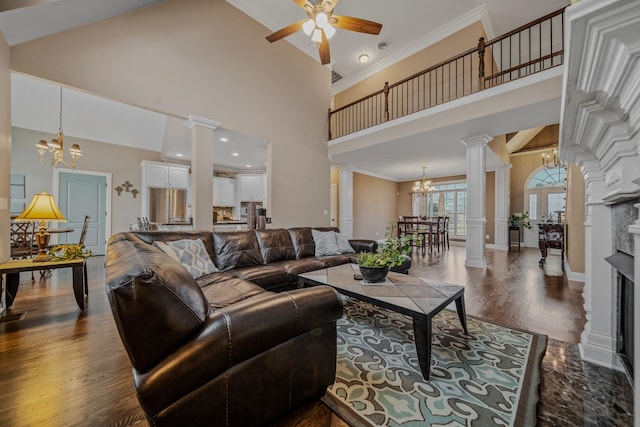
[13, 268]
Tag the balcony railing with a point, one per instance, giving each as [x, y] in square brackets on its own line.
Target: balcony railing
[529, 49]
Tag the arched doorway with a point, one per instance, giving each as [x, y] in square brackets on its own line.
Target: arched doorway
[544, 198]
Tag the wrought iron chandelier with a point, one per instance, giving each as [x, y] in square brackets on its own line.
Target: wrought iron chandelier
[55, 147]
[423, 187]
[551, 160]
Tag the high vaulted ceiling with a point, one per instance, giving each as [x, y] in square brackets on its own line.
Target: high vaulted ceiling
[408, 26]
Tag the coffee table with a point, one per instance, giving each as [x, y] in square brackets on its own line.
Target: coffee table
[419, 298]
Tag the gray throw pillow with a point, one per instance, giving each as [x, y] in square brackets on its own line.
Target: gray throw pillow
[191, 254]
[343, 244]
[325, 242]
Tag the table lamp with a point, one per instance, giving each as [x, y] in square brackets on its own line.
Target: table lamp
[42, 208]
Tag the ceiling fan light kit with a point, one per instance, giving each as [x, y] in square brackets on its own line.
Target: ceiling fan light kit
[320, 25]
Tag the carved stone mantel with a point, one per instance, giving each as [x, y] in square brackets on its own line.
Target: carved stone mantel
[599, 131]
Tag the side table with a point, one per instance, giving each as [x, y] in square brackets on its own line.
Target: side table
[511, 242]
[13, 268]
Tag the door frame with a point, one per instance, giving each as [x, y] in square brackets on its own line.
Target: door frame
[107, 204]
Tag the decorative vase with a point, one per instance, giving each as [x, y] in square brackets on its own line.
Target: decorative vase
[374, 274]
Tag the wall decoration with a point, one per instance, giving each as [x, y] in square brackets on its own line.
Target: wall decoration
[134, 192]
[119, 189]
[128, 187]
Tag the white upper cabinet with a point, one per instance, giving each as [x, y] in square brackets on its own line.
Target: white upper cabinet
[224, 192]
[165, 175]
[250, 188]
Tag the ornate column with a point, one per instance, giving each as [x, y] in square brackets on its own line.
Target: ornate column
[345, 220]
[476, 190]
[597, 343]
[201, 182]
[502, 208]
[634, 229]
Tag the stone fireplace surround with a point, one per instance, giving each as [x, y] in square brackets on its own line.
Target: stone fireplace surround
[599, 131]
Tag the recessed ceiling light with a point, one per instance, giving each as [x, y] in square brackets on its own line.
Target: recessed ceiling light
[179, 155]
[224, 139]
[364, 58]
[248, 166]
[235, 154]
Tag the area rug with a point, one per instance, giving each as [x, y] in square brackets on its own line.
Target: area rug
[486, 378]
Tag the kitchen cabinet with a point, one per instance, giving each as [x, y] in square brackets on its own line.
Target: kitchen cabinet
[224, 192]
[250, 188]
[165, 175]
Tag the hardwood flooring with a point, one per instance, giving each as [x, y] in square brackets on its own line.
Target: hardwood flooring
[61, 366]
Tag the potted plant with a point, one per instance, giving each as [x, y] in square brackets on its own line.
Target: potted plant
[374, 266]
[517, 219]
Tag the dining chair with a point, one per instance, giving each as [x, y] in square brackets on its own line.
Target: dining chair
[435, 232]
[445, 232]
[83, 232]
[22, 241]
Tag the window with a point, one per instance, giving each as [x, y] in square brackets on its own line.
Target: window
[448, 199]
[533, 207]
[548, 178]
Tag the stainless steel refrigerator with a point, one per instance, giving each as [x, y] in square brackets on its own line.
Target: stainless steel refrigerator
[168, 206]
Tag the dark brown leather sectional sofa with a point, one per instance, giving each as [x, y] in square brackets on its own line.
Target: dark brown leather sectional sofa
[225, 349]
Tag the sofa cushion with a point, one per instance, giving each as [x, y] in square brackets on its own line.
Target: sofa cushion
[222, 289]
[191, 254]
[299, 266]
[167, 236]
[325, 243]
[343, 244]
[333, 260]
[236, 249]
[302, 240]
[275, 245]
[267, 276]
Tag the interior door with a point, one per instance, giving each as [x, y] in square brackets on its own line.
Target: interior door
[333, 205]
[84, 194]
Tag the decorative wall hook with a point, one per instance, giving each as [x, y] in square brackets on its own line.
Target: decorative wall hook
[119, 189]
[127, 185]
[134, 192]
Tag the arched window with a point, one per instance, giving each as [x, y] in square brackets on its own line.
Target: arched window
[545, 194]
[548, 178]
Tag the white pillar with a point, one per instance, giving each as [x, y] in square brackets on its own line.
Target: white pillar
[502, 208]
[476, 193]
[597, 343]
[634, 229]
[345, 220]
[201, 183]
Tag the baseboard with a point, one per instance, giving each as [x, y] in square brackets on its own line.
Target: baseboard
[572, 275]
[599, 349]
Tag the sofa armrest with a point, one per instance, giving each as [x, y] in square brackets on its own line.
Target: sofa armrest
[232, 335]
[363, 245]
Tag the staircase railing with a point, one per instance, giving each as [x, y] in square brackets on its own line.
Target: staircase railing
[529, 49]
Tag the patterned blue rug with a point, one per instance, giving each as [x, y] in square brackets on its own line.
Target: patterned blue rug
[487, 378]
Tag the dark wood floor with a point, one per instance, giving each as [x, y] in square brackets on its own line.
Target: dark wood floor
[60, 366]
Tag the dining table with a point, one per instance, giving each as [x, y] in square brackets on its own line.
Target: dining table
[422, 227]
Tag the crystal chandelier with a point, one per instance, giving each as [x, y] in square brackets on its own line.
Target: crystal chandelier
[550, 159]
[423, 187]
[55, 147]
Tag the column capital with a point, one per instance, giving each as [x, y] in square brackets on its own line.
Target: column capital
[194, 121]
[477, 140]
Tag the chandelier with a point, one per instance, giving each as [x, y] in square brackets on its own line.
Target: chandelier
[423, 187]
[550, 159]
[55, 147]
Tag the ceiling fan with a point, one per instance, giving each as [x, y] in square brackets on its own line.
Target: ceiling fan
[319, 25]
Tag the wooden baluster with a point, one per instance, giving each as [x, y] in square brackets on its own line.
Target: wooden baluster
[386, 101]
[481, 48]
[329, 124]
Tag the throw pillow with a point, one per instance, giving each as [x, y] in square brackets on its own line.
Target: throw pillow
[343, 244]
[191, 254]
[325, 242]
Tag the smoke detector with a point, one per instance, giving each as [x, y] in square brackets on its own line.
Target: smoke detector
[382, 45]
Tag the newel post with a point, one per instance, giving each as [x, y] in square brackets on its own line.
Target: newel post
[481, 47]
[386, 101]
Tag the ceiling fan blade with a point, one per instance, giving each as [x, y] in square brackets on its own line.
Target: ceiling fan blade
[329, 5]
[308, 7]
[325, 56]
[356, 24]
[286, 31]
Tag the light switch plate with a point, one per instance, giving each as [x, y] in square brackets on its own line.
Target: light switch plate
[4, 203]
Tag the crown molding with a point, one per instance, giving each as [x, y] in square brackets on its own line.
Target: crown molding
[479, 13]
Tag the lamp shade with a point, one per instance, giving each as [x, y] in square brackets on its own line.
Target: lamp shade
[43, 207]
